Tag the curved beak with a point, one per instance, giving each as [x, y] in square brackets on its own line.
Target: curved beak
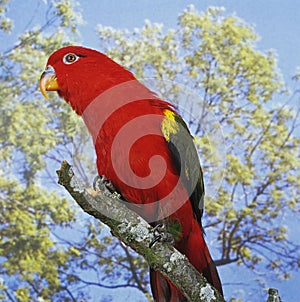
[48, 81]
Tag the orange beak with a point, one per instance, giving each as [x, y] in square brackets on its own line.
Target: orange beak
[48, 81]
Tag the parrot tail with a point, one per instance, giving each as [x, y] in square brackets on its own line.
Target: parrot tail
[163, 290]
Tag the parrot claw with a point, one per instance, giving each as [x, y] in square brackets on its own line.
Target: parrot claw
[161, 235]
[101, 183]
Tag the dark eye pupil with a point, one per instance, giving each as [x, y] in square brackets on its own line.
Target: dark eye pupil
[71, 58]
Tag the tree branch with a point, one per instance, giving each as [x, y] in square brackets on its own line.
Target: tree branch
[137, 233]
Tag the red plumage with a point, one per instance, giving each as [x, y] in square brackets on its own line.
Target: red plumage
[125, 120]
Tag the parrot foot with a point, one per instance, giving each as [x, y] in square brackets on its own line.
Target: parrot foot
[161, 235]
[101, 183]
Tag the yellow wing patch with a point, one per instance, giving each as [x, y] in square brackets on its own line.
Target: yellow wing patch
[169, 124]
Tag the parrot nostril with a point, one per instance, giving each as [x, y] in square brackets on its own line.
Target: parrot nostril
[49, 69]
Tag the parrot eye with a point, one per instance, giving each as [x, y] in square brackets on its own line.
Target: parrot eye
[70, 58]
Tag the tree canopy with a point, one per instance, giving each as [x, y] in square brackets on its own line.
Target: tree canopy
[234, 100]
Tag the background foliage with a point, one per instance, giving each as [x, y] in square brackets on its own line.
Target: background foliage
[52, 252]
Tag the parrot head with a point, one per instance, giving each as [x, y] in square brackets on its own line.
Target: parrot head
[79, 74]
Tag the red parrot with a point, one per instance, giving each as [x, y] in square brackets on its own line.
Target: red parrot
[143, 148]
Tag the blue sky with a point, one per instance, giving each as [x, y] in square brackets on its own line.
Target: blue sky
[277, 23]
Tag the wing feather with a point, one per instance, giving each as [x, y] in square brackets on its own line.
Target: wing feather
[185, 156]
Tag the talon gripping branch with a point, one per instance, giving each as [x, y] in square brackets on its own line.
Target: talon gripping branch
[143, 147]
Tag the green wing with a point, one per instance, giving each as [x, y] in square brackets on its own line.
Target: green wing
[183, 150]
